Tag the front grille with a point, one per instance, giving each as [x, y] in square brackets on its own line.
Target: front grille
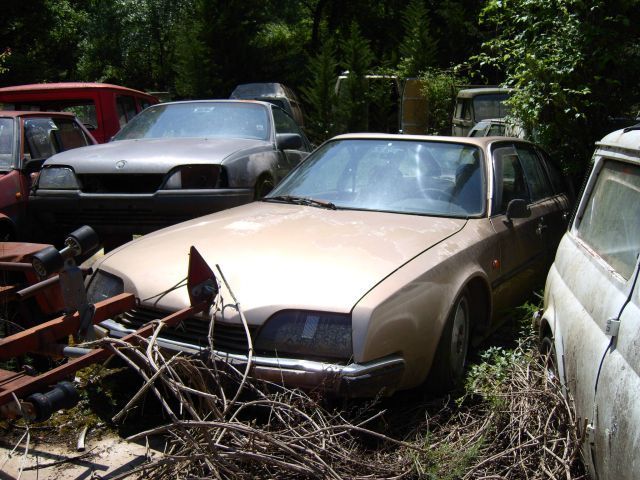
[120, 217]
[120, 183]
[227, 337]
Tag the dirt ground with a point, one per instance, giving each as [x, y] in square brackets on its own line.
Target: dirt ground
[105, 457]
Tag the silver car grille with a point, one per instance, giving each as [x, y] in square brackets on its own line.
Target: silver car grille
[119, 183]
[227, 337]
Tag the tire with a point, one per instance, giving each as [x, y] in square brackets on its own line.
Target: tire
[548, 352]
[263, 186]
[447, 369]
[6, 233]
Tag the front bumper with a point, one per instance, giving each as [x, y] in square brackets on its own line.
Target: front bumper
[125, 214]
[352, 380]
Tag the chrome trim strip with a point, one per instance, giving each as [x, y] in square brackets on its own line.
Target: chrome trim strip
[351, 370]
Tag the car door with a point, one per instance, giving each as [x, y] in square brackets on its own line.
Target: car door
[523, 242]
[288, 159]
[610, 224]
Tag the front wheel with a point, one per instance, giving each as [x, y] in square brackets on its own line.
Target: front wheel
[447, 369]
[548, 352]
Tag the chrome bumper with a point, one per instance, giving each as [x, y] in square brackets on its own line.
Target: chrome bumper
[381, 376]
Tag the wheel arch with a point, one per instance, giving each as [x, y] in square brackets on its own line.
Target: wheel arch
[7, 225]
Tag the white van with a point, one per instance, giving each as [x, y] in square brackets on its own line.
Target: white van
[591, 315]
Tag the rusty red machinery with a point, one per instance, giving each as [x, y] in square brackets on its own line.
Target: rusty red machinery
[56, 282]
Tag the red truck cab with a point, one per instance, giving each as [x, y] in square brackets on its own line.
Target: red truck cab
[101, 107]
[27, 139]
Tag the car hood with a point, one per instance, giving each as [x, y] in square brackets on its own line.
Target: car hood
[278, 256]
[157, 155]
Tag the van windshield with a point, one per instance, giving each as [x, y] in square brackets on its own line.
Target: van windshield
[7, 144]
[490, 105]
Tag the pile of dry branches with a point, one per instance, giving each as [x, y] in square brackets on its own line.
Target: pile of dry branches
[226, 425]
[513, 422]
[257, 431]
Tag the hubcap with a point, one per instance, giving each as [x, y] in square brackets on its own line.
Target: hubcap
[460, 336]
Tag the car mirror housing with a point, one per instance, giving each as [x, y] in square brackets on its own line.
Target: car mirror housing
[288, 141]
[518, 208]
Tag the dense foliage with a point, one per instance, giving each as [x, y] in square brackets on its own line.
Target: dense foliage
[574, 64]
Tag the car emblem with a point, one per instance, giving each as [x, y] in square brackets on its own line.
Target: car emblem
[120, 164]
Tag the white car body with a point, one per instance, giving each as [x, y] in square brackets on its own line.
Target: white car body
[592, 309]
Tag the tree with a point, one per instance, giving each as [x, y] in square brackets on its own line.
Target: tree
[319, 94]
[356, 62]
[418, 48]
[573, 64]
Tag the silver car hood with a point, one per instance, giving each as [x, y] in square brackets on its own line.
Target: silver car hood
[279, 256]
[156, 155]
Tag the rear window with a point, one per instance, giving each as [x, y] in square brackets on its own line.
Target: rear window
[610, 224]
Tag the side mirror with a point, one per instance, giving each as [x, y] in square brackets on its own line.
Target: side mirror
[288, 141]
[518, 208]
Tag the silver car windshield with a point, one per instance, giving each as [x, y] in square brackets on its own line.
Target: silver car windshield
[431, 178]
[200, 120]
[7, 144]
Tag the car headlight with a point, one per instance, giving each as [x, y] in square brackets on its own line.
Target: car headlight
[102, 286]
[306, 334]
[57, 178]
[195, 177]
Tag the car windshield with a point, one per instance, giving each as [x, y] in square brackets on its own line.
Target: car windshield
[7, 144]
[199, 119]
[490, 105]
[403, 176]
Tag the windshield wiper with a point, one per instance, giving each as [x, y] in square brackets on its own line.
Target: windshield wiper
[311, 202]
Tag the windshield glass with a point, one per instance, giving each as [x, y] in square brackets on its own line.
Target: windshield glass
[431, 178]
[199, 119]
[490, 105]
[7, 144]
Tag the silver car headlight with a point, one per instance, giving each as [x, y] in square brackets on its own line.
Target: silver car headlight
[194, 177]
[104, 285]
[306, 334]
[57, 178]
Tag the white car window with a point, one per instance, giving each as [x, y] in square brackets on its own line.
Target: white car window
[610, 223]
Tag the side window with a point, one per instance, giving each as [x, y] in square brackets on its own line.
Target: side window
[459, 107]
[126, 108]
[39, 136]
[539, 186]
[509, 177]
[466, 109]
[557, 181]
[610, 223]
[69, 134]
[85, 110]
[47, 136]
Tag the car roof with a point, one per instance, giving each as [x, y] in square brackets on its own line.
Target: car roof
[38, 87]
[30, 113]
[625, 142]
[221, 100]
[482, 142]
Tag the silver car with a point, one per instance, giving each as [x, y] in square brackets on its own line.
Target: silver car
[591, 317]
[173, 162]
